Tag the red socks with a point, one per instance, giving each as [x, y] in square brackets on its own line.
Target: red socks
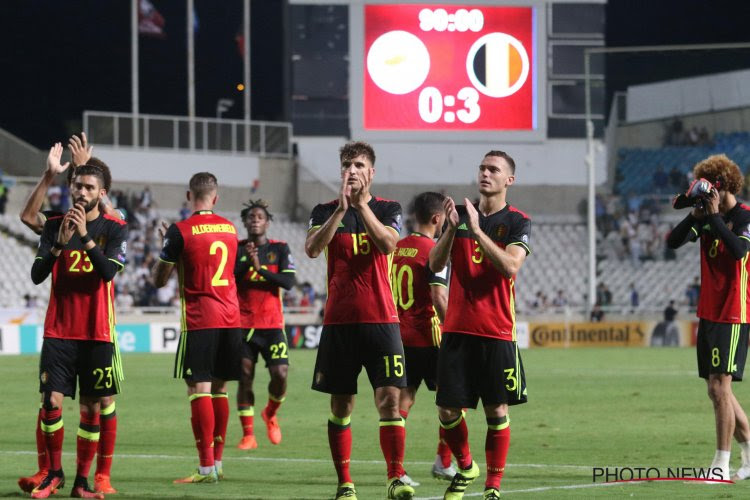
[54, 432]
[87, 442]
[42, 458]
[496, 449]
[220, 403]
[392, 442]
[457, 437]
[340, 441]
[246, 419]
[443, 450]
[107, 437]
[273, 405]
[202, 420]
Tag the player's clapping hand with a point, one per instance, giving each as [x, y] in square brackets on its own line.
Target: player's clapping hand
[473, 215]
[358, 197]
[77, 218]
[252, 253]
[79, 149]
[163, 232]
[54, 166]
[344, 194]
[712, 202]
[451, 215]
[67, 228]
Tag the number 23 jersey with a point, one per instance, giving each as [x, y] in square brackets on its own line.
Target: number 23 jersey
[204, 249]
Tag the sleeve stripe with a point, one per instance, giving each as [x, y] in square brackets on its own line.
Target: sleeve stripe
[744, 238]
[314, 227]
[289, 271]
[439, 284]
[394, 230]
[692, 228]
[122, 266]
[167, 261]
[519, 243]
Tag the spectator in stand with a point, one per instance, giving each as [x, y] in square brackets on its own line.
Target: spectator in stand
[634, 299]
[676, 180]
[692, 292]
[184, 211]
[560, 301]
[597, 314]
[3, 196]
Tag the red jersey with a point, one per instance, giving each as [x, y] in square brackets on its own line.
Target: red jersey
[204, 248]
[724, 280]
[481, 301]
[359, 288]
[412, 278]
[81, 303]
[260, 301]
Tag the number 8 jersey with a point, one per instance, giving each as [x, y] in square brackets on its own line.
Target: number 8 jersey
[204, 249]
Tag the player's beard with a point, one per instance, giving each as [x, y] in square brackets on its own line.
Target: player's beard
[88, 207]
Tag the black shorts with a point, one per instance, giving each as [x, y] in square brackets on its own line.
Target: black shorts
[270, 343]
[89, 362]
[472, 367]
[421, 364]
[722, 348]
[345, 349]
[205, 355]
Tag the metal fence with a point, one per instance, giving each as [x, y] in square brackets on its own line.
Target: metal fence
[266, 139]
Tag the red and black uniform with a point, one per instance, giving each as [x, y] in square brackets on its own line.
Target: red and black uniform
[479, 357]
[79, 328]
[360, 324]
[412, 280]
[259, 291]
[204, 249]
[724, 301]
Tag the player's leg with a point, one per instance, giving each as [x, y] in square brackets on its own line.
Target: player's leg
[246, 404]
[741, 427]
[87, 442]
[407, 397]
[194, 363]
[277, 360]
[28, 483]
[336, 369]
[220, 403]
[106, 449]
[455, 391]
[503, 383]
[719, 391]
[57, 378]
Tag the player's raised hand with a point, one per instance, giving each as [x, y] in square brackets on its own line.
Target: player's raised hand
[451, 215]
[473, 216]
[163, 231]
[79, 149]
[54, 166]
[344, 194]
[67, 228]
[252, 253]
[77, 218]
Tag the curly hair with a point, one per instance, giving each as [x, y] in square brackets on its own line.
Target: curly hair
[259, 203]
[97, 163]
[352, 149]
[720, 168]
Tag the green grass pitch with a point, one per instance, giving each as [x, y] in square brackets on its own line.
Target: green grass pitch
[587, 408]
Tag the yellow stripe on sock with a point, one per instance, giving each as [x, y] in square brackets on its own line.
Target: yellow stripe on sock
[91, 436]
[398, 423]
[451, 425]
[219, 395]
[49, 429]
[277, 400]
[339, 421]
[108, 410]
[199, 395]
[249, 412]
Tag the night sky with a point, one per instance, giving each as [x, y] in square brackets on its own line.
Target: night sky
[60, 57]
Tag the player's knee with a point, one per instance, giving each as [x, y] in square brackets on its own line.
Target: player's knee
[388, 403]
[106, 401]
[51, 400]
[279, 373]
[719, 389]
[448, 414]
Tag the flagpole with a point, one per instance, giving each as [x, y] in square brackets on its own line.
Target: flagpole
[191, 71]
[246, 69]
[134, 104]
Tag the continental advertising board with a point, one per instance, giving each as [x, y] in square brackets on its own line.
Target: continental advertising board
[614, 334]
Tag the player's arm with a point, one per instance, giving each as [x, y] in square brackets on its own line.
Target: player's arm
[31, 214]
[441, 252]
[737, 244]
[49, 251]
[439, 296]
[321, 230]
[172, 245]
[509, 260]
[102, 264]
[385, 237]
[683, 232]
[286, 277]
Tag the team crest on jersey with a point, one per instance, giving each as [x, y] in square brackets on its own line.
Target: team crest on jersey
[271, 256]
[501, 231]
[101, 241]
[43, 377]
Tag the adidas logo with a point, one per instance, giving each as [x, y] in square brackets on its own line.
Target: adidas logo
[341, 224]
[189, 372]
[463, 227]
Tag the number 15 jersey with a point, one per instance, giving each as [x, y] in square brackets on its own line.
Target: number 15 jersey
[204, 249]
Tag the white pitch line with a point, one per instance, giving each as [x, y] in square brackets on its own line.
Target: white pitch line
[299, 460]
[534, 490]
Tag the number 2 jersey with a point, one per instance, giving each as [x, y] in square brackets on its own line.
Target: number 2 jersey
[260, 301]
[359, 288]
[204, 249]
[412, 278]
[81, 303]
[481, 300]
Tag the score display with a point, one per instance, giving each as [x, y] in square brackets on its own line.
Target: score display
[443, 67]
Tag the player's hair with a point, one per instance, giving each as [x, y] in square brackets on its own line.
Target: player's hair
[259, 203]
[92, 170]
[506, 157]
[720, 168]
[353, 149]
[425, 205]
[203, 184]
[93, 162]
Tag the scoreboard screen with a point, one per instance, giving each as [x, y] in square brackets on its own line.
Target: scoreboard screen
[449, 68]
